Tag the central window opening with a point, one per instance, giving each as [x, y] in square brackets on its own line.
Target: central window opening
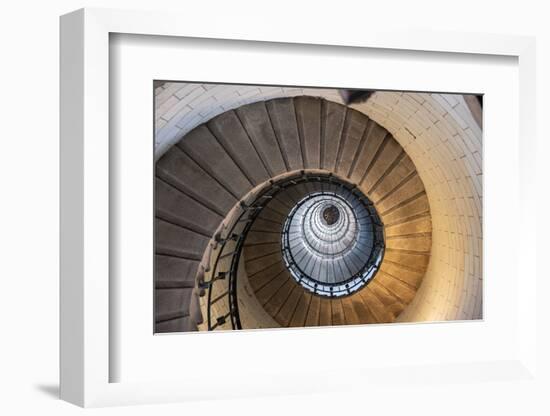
[331, 215]
[333, 241]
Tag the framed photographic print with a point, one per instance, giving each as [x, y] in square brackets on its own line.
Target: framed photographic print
[309, 215]
[280, 206]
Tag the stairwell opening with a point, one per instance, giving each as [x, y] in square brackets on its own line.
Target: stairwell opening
[333, 241]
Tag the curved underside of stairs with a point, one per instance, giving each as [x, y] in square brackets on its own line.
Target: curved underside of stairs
[205, 175]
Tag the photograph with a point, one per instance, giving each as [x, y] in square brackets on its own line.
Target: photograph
[299, 206]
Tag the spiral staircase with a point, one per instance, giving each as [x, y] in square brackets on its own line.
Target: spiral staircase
[288, 212]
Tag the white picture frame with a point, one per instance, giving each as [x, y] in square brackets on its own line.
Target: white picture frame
[86, 349]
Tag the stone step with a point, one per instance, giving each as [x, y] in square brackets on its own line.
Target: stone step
[408, 211]
[386, 157]
[178, 169]
[286, 312]
[267, 291]
[276, 204]
[392, 179]
[263, 277]
[312, 317]
[272, 215]
[177, 241]
[413, 242]
[261, 263]
[172, 303]
[410, 276]
[283, 119]
[262, 224]
[276, 301]
[230, 132]
[286, 199]
[257, 122]
[174, 272]
[175, 206]
[301, 310]
[184, 324]
[399, 289]
[261, 237]
[332, 123]
[411, 190]
[391, 303]
[255, 251]
[352, 136]
[415, 261]
[325, 312]
[338, 317]
[350, 314]
[414, 226]
[375, 136]
[308, 117]
[375, 306]
[201, 145]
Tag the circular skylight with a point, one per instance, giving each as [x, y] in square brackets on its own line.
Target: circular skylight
[333, 242]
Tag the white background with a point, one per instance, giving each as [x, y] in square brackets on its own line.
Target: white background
[29, 209]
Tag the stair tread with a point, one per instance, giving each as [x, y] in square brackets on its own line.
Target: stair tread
[301, 310]
[257, 123]
[269, 289]
[172, 303]
[375, 136]
[338, 317]
[401, 290]
[391, 303]
[172, 239]
[410, 260]
[275, 303]
[418, 225]
[413, 189]
[413, 278]
[352, 136]
[350, 315]
[325, 312]
[412, 208]
[179, 170]
[375, 306]
[230, 132]
[334, 115]
[416, 242]
[286, 312]
[175, 206]
[261, 237]
[174, 272]
[283, 118]
[261, 278]
[385, 159]
[402, 170]
[261, 263]
[205, 149]
[308, 117]
[252, 252]
[312, 318]
[184, 324]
